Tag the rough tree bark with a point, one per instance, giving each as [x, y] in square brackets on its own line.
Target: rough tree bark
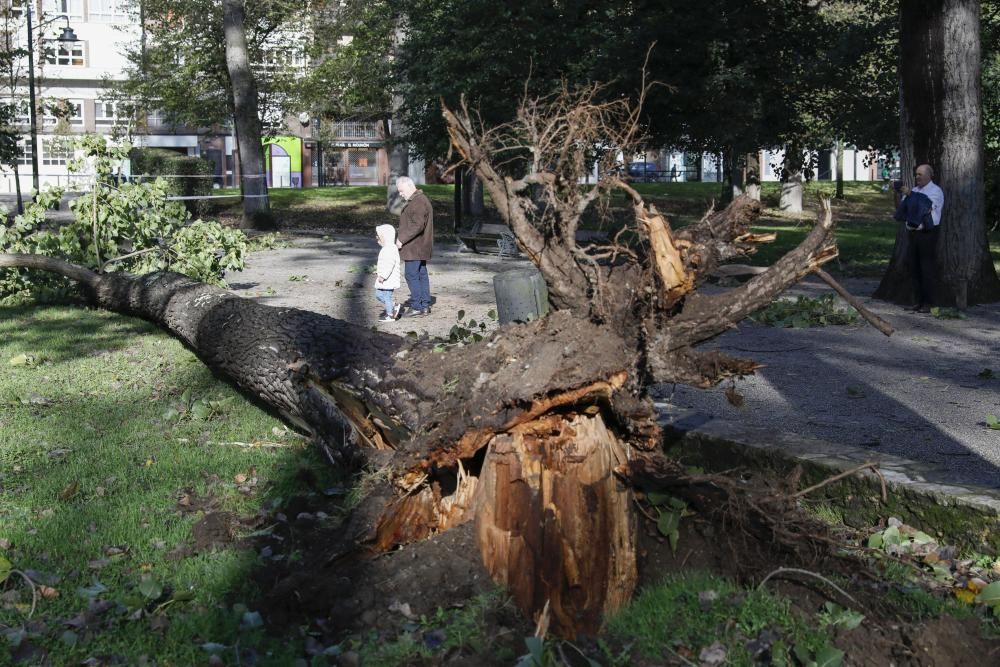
[941, 118]
[533, 434]
[791, 180]
[256, 205]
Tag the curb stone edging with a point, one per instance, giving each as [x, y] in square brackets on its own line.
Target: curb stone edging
[920, 494]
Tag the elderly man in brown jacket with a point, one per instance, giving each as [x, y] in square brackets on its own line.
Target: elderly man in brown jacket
[415, 241]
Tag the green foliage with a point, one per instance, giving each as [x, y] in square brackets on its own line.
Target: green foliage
[695, 610]
[833, 615]
[947, 313]
[469, 331]
[669, 511]
[184, 175]
[804, 312]
[137, 230]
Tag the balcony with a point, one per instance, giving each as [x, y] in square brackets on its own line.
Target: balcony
[350, 130]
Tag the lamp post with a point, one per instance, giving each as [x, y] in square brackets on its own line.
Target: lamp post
[67, 36]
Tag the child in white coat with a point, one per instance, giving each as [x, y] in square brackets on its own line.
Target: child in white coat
[387, 271]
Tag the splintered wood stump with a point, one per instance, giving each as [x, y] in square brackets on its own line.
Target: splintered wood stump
[554, 524]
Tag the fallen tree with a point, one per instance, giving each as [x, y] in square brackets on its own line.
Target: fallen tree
[536, 433]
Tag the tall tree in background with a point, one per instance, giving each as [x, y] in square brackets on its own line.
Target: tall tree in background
[991, 109]
[354, 77]
[180, 65]
[941, 125]
[256, 206]
[12, 73]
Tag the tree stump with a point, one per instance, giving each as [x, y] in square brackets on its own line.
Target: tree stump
[554, 524]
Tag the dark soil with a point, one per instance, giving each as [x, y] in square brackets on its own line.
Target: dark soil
[342, 594]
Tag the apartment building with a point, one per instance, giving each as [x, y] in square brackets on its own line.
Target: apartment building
[71, 75]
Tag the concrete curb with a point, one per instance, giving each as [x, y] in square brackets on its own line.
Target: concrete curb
[922, 494]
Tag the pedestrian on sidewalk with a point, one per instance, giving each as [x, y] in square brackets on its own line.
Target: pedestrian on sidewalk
[923, 231]
[387, 272]
[416, 244]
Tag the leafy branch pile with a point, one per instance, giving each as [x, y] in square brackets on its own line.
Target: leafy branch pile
[804, 312]
[125, 227]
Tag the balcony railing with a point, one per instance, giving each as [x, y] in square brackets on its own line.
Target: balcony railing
[357, 130]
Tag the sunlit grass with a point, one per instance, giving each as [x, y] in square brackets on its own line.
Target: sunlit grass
[90, 475]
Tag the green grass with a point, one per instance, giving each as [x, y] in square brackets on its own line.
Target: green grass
[90, 475]
[690, 611]
[866, 232]
[343, 209]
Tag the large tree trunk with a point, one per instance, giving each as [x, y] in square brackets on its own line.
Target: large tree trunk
[256, 205]
[941, 111]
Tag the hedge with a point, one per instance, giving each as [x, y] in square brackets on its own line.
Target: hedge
[163, 162]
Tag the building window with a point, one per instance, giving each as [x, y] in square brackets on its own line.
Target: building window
[157, 118]
[71, 8]
[24, 150]
[71, 110]
[55, 151]
[17, 8]
[108, 11]
[105, 113]
[67, 54]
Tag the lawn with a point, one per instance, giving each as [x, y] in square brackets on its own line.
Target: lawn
[114, 442]
[865, 229]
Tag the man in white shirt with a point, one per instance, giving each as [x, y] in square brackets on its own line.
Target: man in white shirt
[922, 246]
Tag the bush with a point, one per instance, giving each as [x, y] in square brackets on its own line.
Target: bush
[137, 231]
[176, 170]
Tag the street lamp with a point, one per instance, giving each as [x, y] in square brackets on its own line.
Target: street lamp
[67, 36]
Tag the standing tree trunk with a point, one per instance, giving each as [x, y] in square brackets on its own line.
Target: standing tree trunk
[753, 175]
[457, 199]
[256, 205]
[840, 169]
[941, 113]
[472, 193]
[735, 174]
[399, 163]
[791, 180]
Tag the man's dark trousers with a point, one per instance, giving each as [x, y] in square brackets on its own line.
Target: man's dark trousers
[415, 271]
[923, 262]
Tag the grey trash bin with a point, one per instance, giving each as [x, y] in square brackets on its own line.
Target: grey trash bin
[521, 295]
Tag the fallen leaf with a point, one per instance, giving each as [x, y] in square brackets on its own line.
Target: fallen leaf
[713, 655]
[69, 491]
[402, 608]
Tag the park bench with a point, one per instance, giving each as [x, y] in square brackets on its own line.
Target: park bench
[489, 237]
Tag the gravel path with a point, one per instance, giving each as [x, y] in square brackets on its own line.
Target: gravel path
[917, 394]
[330, 275]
